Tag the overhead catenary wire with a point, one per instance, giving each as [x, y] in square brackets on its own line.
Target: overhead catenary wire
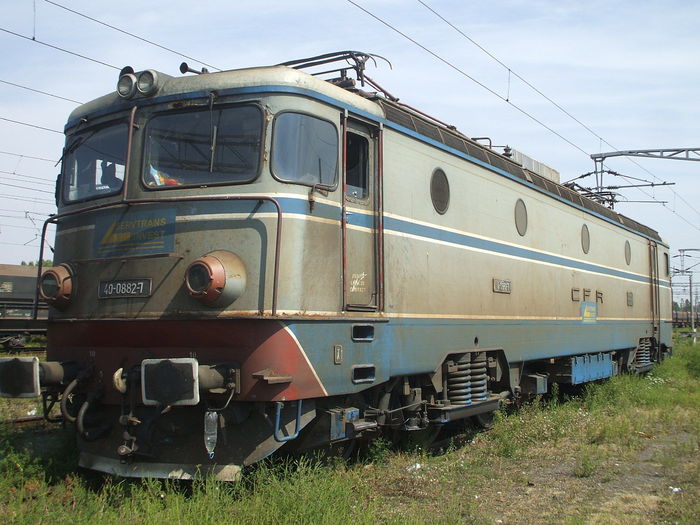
[25, 188]
[633, 161]
[60, 49]
[663, 203]
[506, 99]
[31, 125]
[467, 75]
[510, 70]
[555, 104]
[14, 226]
[131, 34]
[20, 211]
[22, 176]
[32, 199]
[27, 156]
[22, 217]
[3, 182]
[39, 91]
[532, 117]
[27, 244]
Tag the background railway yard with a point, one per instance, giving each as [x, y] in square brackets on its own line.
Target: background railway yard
[624, 450]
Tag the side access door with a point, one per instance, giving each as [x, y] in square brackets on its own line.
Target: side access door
[361, 222]
[655, 290]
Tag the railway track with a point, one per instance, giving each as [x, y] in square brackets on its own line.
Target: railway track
[26, 421]
[22, 349]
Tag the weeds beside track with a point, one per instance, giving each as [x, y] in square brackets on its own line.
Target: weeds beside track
[624, 450]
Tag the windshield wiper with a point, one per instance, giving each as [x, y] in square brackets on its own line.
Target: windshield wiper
[212, 148]
[69, 149]
[213, 131]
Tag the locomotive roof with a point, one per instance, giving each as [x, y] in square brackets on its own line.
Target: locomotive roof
[201, 85]
[439, 132]
[382, 107]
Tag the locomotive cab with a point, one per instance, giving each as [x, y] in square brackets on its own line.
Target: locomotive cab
[176, 267]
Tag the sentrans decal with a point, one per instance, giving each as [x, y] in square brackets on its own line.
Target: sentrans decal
[134, 233]
[589, 312]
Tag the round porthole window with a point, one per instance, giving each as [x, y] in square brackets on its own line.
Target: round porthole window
[585, 239]
[521, 217]
[628, 253]
[440, 191]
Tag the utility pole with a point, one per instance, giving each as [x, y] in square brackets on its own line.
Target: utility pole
[689, 273]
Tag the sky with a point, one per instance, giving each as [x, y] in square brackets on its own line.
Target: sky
[627, 72]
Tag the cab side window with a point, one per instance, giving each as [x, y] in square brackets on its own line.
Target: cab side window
[357, 166]
[304, 150]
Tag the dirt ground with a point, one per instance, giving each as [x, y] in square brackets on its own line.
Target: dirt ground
[656, 482]
[634, 488]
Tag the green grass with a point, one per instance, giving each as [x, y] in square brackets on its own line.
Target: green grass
[299, 492]
[544, 462]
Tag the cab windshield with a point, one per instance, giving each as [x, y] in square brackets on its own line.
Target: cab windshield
[94, 162]
[207, 146]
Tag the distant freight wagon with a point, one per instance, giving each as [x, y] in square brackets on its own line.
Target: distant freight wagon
[683, 319]
[17, 294]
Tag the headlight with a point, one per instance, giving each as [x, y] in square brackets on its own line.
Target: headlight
[56, 285]
[147, 83]
[126, 86]
[199, 278]
[216, 279]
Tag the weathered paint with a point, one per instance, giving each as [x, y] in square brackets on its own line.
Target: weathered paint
[254, 345]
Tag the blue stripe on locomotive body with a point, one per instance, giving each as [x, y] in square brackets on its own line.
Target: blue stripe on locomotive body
[429, 232]
[414, 346]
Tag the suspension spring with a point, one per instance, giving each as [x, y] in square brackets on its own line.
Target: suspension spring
[459, 390]
[479, 377]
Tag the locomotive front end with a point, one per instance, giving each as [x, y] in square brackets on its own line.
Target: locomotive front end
[166, 344]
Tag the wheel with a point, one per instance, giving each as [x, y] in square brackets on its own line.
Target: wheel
[484, 420]
[416, 439]
[343, 450]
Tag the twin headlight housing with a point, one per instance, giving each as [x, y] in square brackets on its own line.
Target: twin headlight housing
[146, 83]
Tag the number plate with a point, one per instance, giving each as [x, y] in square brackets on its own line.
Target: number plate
[124, 288]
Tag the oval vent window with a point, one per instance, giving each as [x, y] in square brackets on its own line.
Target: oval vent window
[440, 191]
[585, 239]
[628, 253]
[521, 217]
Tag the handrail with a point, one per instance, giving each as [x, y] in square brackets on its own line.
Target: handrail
[297, 425]
[129, 202]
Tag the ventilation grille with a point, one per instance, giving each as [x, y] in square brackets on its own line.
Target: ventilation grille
[643, 355]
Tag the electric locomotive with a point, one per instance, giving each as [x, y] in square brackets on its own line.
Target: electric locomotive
[266, 260]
